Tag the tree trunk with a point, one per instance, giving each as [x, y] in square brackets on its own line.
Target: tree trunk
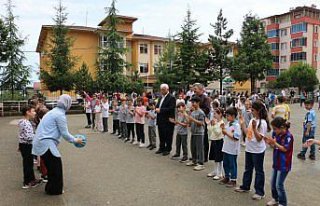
[221, 80]
[253, 89]
[61, 91]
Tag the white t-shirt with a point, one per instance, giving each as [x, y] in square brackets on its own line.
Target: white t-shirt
[230, 146]
[105, 109]
[252, 144]
[88, 107]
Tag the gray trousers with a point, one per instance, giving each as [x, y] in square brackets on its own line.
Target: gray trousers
[123, 129]
[182, 141]
[152, 135]
[197, 149]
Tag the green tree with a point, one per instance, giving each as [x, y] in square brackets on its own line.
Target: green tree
[254, 56]
[219, 63]
[14, 75]
[301, 75]
[283, 81]
[3, 40]
[135, 83]
[189, 66]
[82, 79]
[61, 62]
[110, 61]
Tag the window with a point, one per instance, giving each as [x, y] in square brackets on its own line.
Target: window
[155, 68]
[298, 56]
[273, 33]
[315, 29]
[143, 48]
[274, 46]
[302, 27]
[283, 59]
[105, 43]
[299, 42]
[315, 43]
[275, 59]
[283, 32]
[283, 46]
[157, 49]
[144, 68]
[273, 72]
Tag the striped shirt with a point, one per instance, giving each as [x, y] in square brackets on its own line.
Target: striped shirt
[282, 161]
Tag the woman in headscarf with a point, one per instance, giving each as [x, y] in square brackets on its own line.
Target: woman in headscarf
[52, 127]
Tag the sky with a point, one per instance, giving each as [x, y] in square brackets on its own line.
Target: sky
[155, 17]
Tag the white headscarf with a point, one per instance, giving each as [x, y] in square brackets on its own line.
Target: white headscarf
[64, 102]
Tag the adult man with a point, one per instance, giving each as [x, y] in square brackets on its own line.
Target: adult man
[165, 109]
[205, 107]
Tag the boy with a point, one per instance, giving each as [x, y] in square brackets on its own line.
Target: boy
[281, 109]
[182, 132]
[152, 115]
[115, 115]
[122, 119]
[26, 134]
[309, 128]
[196, 121]
[130, 120]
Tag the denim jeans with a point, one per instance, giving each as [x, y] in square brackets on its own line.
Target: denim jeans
[277, 186]
[230, 166]
[305, 138]
[254, 161]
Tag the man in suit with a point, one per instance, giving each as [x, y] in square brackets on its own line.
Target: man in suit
[165, 109]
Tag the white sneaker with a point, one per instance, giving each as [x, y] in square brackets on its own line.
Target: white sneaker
[211, 174]
[217, 177]
[142, 145]
[191, 164]
[257, 197]
[135, 142]
[199, 168]
[272, 202]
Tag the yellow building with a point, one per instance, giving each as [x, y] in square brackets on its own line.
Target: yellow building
[143, 50]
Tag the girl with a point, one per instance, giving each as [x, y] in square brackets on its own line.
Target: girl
[282, 143]
[216, 138]
[255, 149]
[139, 118]
[130, 120]
[105, 113]
[231, 147]
[115, 115]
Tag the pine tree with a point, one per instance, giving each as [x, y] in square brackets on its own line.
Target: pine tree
[111, 62]
[61, 62]
[14, 75]
[254, 56]
[3, 40]
[219, 63]
[188, 66]
[83, 80]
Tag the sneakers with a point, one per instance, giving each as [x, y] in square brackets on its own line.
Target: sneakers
[135, 142]
[199, 168]
[142, 145]
[272, 202]
[217, 177]
[191, 164]
[32, 184]
[127, 140]
[257, 197]
[231, 183]
[224, 181]
[240, 190]
[44, 179]
[211, 174]
[176, 156]
[312, 157]
[152, 147]
[149, 146]
[88, 126]
[301, 156]
[184, 159]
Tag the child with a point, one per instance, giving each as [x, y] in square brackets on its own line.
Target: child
[282, 143]
[130, 120]
[216, 138]
[105, 113]
[197, 123]
[247, 116]
[98, 116]
[122, 119]
[26, 134]
[309, 128]
[152, 117]
[281, 109]
[87, 106]
[139, 118]
[182, 132]
[115, 116]
[231, 147]
[255, 150]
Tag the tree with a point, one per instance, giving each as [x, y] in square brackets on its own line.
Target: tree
[135, 83]
[82, 79]
[301, 75]
[3, 40]
[254, 56]
[111, 61]
[189, 65]
[283, 81]
[218, 60]
[59, 77]
[14, 75]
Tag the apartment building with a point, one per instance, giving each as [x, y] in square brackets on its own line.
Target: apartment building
[293, 37]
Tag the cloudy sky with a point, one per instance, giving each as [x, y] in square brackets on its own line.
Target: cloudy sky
[154, 17]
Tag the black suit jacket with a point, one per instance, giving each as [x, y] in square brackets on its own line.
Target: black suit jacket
[167, 110]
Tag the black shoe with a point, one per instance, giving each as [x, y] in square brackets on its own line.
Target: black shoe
[159, 152]
[176, 156]
[113, 133]
[149, 146]
[184, 159]
[127, 140]
[301, 156]
[312, 157]
[165, 153]
[152, 147]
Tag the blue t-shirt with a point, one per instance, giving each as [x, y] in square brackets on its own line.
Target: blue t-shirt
[310, 118]
[282, 161]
